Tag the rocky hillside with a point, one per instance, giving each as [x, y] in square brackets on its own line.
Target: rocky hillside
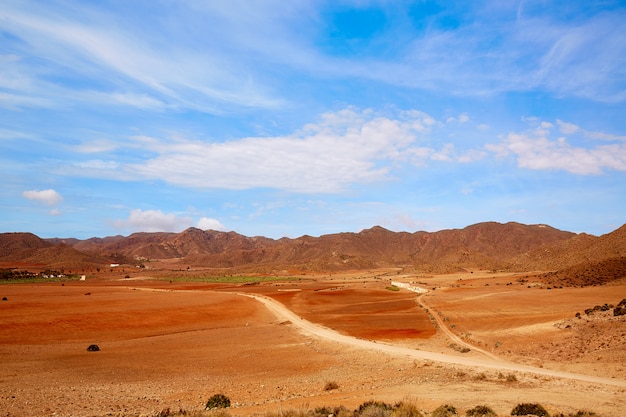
[580, 249]
[484, 245]
[30, 249]
[490, 245]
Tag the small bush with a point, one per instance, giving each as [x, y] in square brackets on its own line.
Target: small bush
[584, 413]
[217, 401]
[93, 348]
[511, 378]
[374, 409]
[525, 409]
[481, 411]
[444, 411]
[340, 411]
[405, 409]
[167, 412]
[331, 385]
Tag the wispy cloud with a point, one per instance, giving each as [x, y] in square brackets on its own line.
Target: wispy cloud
[570, 128]
[87, 43]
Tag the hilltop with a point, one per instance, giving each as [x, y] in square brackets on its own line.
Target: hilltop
[487, 246]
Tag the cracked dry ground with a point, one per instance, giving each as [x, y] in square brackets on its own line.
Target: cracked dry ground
[174, 345]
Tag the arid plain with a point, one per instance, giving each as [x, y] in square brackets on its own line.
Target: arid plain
[495, 338]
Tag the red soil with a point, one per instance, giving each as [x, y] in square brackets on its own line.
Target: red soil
[174, 345]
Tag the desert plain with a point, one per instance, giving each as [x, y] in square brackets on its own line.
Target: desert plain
[301, 341]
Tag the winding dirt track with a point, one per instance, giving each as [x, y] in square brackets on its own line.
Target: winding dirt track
[491, 363]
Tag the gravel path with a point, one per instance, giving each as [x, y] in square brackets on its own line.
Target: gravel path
[489, 362]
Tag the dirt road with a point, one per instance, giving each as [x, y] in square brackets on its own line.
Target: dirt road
[489, 363]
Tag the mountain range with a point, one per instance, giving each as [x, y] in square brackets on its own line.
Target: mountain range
[490, 245]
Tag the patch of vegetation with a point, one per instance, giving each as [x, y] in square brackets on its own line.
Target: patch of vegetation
[167, 412]
[392, 288]
[340, 411]
[331, 385]
[406, 409]
[532, 409]
[374, 409]
[480, 377]
[217, 401]
[584, 413]
[620, 310]
[232, 279]
[480, 411]
[15, 276]
[605, 307]
[93, 348]
[507, 378]
[444, 410]
[460, 349]
[379, 409]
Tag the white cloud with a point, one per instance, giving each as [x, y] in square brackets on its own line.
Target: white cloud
[153, 221]
[343, 148]
[48, 197]
[570, 129]
[207, 223]
[462, 118]
[535, 150]
[567, 128]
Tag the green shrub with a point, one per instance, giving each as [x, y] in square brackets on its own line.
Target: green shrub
[444, 411]
[217, 401]
[525, 409]
[481, 411]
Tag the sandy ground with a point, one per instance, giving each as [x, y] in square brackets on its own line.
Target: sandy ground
[174, 345]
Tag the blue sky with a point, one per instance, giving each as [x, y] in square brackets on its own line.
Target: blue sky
[284, 118]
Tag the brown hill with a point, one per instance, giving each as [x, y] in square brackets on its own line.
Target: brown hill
[588, 273]
[582, 248]
[14, 244]
[488, 245]
[484, 245]
[62, 257]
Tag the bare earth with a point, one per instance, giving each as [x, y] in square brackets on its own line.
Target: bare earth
[276, 345]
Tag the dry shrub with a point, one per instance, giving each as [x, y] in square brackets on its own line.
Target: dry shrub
[331, 385]
[217, 401]
[340, 411]
[374, 409]
[444, 410]
[481, 411]
[406, 409]
[525, 409]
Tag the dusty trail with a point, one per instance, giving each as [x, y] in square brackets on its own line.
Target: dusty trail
[450, 334]
[490, 363]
